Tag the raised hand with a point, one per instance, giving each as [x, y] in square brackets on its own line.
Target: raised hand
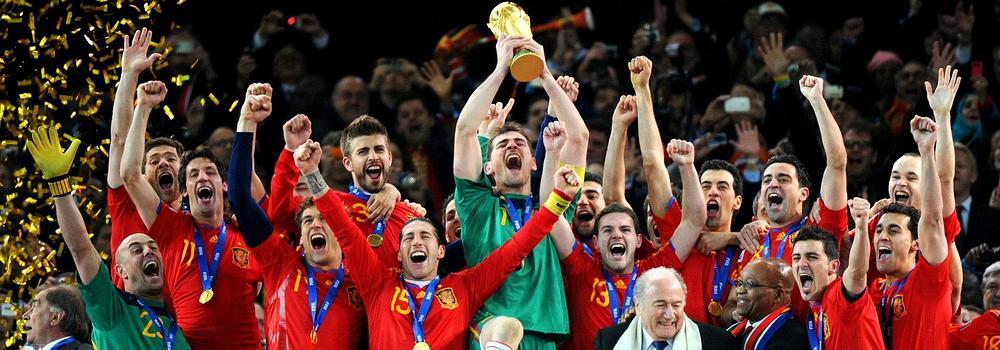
[965, 19]
[641, 68]
[307, 157]
[505, 49]
[566, 181]
[811, 87]
[750, 235]
[496, 117]
[682, 152]
[941, 57]
[537, 48]
[436, 80]
[311, 25]
[859, 211]
[48, 153]
[570, 86]
[924, 132]
[380, 204]
[878, 206]
[941, 98]
[772, 50]
[417, 208]
[257, 105]
[151, 93]
[134, 58]
[554, 137]
[625, 112]
[271, 24]
[747, 138]
[296, 131]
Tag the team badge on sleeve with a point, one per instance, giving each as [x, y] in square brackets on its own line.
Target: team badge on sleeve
[447, 298]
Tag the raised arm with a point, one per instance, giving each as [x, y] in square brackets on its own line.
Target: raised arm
[468, 161]
[254, 224]
[653, 163]
[554, 146]
[940, 101]
[54, 164]
[856, 273]
[577, 135]
[833, 189]
[142, 193]
[614, 158]
[283, 204]
[693, 211]
[930, 229]
[133, 62]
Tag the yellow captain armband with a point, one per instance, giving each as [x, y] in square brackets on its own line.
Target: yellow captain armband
[60, 186]
[578, 170]
[558, 202]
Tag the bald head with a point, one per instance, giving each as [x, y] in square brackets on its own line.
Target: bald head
[350, 97]
[766, 286]
[140, 265]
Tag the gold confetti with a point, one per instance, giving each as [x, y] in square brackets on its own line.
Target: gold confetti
[233, 106]
[212, 97]
[166, 110]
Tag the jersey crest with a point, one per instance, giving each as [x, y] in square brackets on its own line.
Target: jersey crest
[241, 257]
[446, 297]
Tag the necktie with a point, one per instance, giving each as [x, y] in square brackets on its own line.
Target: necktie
[961, 217]
[660, 345]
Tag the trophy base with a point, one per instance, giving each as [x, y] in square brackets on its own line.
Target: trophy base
[526, 66]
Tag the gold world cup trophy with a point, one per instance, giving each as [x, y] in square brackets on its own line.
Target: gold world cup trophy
[509, 19]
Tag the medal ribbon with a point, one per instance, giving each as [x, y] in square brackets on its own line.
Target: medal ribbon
[208, 271]
[331, 294]
[425, 307]
[586, 248]
[616, 308]
[379, 225]
[784, 241]
[886, 307]
[721, 274]
[63, 342]
[168, 337]
[516, 220]
[815, 336]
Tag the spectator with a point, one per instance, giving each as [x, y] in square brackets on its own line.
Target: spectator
[349, 100]
[56, 318]
[973, 213]
[863, 179]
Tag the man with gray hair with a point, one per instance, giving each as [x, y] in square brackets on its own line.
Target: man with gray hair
[991, 287]
[56, 319]
[660, 323]
[983, 332]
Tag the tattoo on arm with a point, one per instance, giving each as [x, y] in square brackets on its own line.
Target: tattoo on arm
[315, 182]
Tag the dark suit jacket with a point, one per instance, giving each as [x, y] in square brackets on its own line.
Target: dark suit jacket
[76, 345]
[791, 336]
[980, 227]
[711, 337]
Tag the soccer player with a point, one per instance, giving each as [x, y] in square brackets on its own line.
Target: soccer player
[211, 277]
[498, 213]
[133, 318]
[842, 315]
[914, 299]
[601, 288]
[374, 204]
[763, 302]
[983, 332]
[413, 307]
[311, 301]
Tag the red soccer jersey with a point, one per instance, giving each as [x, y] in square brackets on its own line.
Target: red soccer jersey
[952, 227]
[587, 291]
[921, 310]
[125, 220]
[848, 325]
[282, 210]
[457, 297]
[227, 321]
[982, 333]
[667, 224]
[699, 275]
[288, 322]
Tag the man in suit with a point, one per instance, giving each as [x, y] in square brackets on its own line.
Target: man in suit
[57, 319]
[973, 213]
[763, 303]
[660, 322]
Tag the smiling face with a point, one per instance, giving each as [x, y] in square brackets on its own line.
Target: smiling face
[813, 269]
[783, 195]
[760, 293]
[320, 247]
[860, 154]
[369, 161]
[661, 310]
[419, 250]
[140, 265]
[511, 161]
[617, 240]
[904, 181]
[591, 202]
[160, 169]
[895, 248]
[204, 187]
[991, 292]
[414, 122]
[720, 198]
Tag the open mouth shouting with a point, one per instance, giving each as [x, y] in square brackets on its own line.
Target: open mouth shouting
[902, 197]
[713, 208]
[151, 269]
[418, 256]
[883, 254]
[774, 200]
[205, 193]
[617, 249]
[374, 171]
[165, 180]
[584, 214]
[512, 161]
[317, 239]
[806, 282]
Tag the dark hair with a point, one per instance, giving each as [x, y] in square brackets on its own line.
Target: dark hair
[510, 126]
[861, 126]
[718, 164]
[195, 154]
[812, 233]
[411, 97]
[593, 177]
[306, 204]
[800, 169]
[444, 211]
[364, 125]
[616, 208]
[68, 299]
[911, 212]
[426, 220]
[157, 142]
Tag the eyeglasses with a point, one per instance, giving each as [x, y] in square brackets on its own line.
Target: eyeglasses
[751, 285]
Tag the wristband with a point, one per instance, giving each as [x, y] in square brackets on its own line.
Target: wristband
[578, 170]
[60, 186]
[557, 202]
[315, 182]
[782, 80]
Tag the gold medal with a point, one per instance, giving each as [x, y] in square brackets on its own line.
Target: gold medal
[421, 346]
[715, 308]
[374, 240]
[206, 296]
[313, 336]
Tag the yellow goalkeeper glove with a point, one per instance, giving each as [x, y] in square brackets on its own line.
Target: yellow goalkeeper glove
[51, 159]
